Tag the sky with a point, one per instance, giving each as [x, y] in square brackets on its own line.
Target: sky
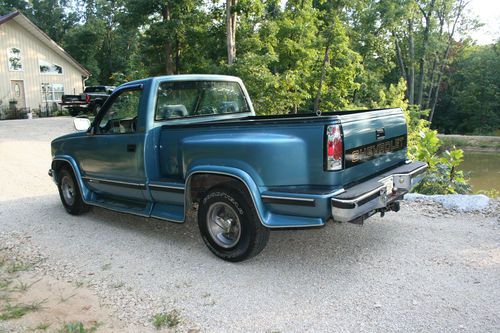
[488, 12]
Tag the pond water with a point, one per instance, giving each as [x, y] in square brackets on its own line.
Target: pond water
[484, 170]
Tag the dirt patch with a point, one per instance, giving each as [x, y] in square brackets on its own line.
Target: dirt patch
[30, 301]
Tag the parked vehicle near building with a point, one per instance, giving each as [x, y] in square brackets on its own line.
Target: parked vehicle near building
[90, 101]
[161, 147]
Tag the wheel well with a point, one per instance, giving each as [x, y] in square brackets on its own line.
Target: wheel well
[200, 184]
[57, 165]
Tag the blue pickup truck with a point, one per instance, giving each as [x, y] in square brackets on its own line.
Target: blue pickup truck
[169, 146]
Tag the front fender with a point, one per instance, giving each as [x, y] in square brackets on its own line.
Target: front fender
[76, 171]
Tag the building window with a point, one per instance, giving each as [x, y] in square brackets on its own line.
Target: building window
[52, 92]
[49, 68]
[14, 59]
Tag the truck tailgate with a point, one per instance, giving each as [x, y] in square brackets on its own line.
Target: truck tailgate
[373, 142]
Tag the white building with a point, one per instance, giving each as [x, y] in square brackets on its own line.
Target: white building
[34, 71]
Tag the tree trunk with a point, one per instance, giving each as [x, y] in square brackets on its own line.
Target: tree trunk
[169, 63]
[177, 56]
[317, 100]
[231, 17]
[427, 17]
[431, 81]
[461, 6]
[399, 57]
[411, 70]
[441, 16]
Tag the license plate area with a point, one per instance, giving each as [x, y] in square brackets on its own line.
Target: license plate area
[388, 184]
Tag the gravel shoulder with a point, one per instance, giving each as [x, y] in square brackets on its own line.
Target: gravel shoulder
[425, 268]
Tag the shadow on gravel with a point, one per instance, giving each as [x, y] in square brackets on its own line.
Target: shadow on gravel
[339, 243]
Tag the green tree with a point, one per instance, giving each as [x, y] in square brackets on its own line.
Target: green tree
[471, 103]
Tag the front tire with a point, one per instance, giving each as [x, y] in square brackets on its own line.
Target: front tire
[229, 225]
[70, 194]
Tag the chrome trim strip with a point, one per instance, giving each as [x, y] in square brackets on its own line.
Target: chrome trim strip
[365, 195]
[166, 187]
[419, 170]
[269, 199]
[287, 198]
[410, 173]
[342, 190]
[117, 182]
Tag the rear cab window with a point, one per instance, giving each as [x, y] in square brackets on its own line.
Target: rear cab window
[184, 99]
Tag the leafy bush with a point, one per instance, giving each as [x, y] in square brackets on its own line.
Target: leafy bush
[442, 176]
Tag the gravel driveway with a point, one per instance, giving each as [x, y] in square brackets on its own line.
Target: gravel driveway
[421, 269]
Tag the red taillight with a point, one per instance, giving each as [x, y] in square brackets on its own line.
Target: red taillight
[87, 98]
[334, 148]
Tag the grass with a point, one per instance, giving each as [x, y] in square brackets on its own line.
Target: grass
[64, 299]
[79, 284]
[78, 327]
[4, 284]
[18, 310]
[170, 319]
[42, 327]
[17, 267]
[21, 287]
[470, 142]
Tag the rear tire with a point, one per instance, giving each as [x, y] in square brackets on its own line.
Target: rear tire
[229, 225]
[73, 112]
[70, 194]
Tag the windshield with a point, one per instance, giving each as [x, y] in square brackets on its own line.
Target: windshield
[179, 99]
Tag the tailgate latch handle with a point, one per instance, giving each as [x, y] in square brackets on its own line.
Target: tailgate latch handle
[380, 133]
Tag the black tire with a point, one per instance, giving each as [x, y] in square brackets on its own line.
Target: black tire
[73, 112]
[70, 194]
[252, 235]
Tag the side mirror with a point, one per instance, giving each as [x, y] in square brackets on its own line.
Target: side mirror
[81, 124]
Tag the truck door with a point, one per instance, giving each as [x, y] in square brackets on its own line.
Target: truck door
[112, 157]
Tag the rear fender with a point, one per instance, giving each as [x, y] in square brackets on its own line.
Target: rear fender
[239, 175]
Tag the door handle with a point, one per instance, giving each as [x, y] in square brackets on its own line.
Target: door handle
[131, 148]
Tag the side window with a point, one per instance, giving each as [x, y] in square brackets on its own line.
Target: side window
[121, 116]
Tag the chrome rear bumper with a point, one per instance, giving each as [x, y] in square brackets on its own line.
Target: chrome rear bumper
[377, 194]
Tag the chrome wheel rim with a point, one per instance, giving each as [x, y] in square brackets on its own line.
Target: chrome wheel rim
[223, 224]
[68, 190]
